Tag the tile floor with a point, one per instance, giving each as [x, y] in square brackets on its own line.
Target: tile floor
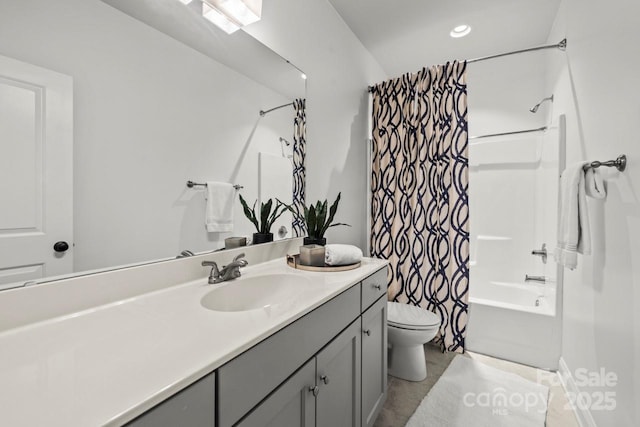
[404, 396]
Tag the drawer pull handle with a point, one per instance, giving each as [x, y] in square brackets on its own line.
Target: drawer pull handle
[325, 379]
[315, 390]
[377, 287]
[367, 332]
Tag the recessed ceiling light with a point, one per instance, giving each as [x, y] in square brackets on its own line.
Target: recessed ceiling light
[304, 76]
[460, 31]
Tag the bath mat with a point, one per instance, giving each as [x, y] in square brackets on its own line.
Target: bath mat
[472, 394]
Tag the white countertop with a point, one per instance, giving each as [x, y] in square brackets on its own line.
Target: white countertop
[107, 365]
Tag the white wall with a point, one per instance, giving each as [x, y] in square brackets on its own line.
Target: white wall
[596, 84]
[149, 114]
[312, 35]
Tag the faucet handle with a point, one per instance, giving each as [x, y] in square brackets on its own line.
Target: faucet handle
[209, 264]
[542, 252]
[240, 260]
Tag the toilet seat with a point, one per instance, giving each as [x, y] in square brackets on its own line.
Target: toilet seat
[405, 316]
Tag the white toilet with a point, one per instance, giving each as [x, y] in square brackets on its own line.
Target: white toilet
[409, 328]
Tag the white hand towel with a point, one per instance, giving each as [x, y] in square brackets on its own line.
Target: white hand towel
[573, 228]
[594, 184]
[336, 254]
[219, 208]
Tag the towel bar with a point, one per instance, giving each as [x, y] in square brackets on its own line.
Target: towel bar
[620, 163]
[192, 184]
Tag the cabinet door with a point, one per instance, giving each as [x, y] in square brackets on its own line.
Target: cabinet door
[291, 404]
[192, 407]
[374, 360]
[249, 378]
[338, 379]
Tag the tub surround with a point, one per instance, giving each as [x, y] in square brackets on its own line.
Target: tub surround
[106, 360]
[516, 322]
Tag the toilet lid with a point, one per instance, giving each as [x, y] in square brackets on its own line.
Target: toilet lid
[410, 317]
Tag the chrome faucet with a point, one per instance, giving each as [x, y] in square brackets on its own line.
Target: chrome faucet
[228, 272]
[540, 279]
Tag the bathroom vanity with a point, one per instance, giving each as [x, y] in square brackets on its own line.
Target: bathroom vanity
[316, 356]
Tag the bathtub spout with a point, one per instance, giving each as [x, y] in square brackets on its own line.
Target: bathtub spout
[539, 279]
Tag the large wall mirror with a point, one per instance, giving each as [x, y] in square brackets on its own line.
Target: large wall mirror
[108, 108]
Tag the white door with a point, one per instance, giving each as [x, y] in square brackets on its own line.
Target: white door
[36, 142]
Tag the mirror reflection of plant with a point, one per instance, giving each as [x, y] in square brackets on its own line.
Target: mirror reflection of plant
[318, 218]
[267, 216]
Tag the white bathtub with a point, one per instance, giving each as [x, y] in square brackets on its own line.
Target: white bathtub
[514, 321]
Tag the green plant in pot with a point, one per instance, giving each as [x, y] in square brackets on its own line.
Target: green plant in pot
[318, 218]
[267, 216]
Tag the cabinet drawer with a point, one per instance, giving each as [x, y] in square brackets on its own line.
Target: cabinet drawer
[250, 377]
[373, 287]
[194, 406]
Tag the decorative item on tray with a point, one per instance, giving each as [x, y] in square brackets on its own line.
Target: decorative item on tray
[336, 258]
[337, 254]
[312, 255]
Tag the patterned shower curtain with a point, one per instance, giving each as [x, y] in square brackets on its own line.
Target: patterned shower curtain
[299, 172]
[419, 206]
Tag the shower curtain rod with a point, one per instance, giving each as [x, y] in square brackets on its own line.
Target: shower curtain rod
[543, 128]
[562, 45]
[262, 112]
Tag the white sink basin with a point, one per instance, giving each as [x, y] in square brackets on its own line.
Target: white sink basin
[253, 293]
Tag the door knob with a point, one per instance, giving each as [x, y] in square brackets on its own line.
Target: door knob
[377, 287]
[325, 379]
[367, 332]
[315, 390]
[60, 246]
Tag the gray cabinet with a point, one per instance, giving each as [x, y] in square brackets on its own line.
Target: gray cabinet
[326, 369]
[338, 380]
[373, 287]
[192, 407]
[374, 360]
[292, 404]
[249, 378]
[324, 392]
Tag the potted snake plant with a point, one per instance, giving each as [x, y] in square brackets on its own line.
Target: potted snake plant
[264, 219]
[318, 218]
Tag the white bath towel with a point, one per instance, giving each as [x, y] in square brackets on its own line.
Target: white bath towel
[573, 228]
[219, 209]
[594, 184]
[337, 254]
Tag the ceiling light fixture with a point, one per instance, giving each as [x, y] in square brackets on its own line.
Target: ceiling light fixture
[460, 31]
[230, 15]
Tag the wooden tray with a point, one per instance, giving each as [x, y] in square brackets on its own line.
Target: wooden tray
[293, 261]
